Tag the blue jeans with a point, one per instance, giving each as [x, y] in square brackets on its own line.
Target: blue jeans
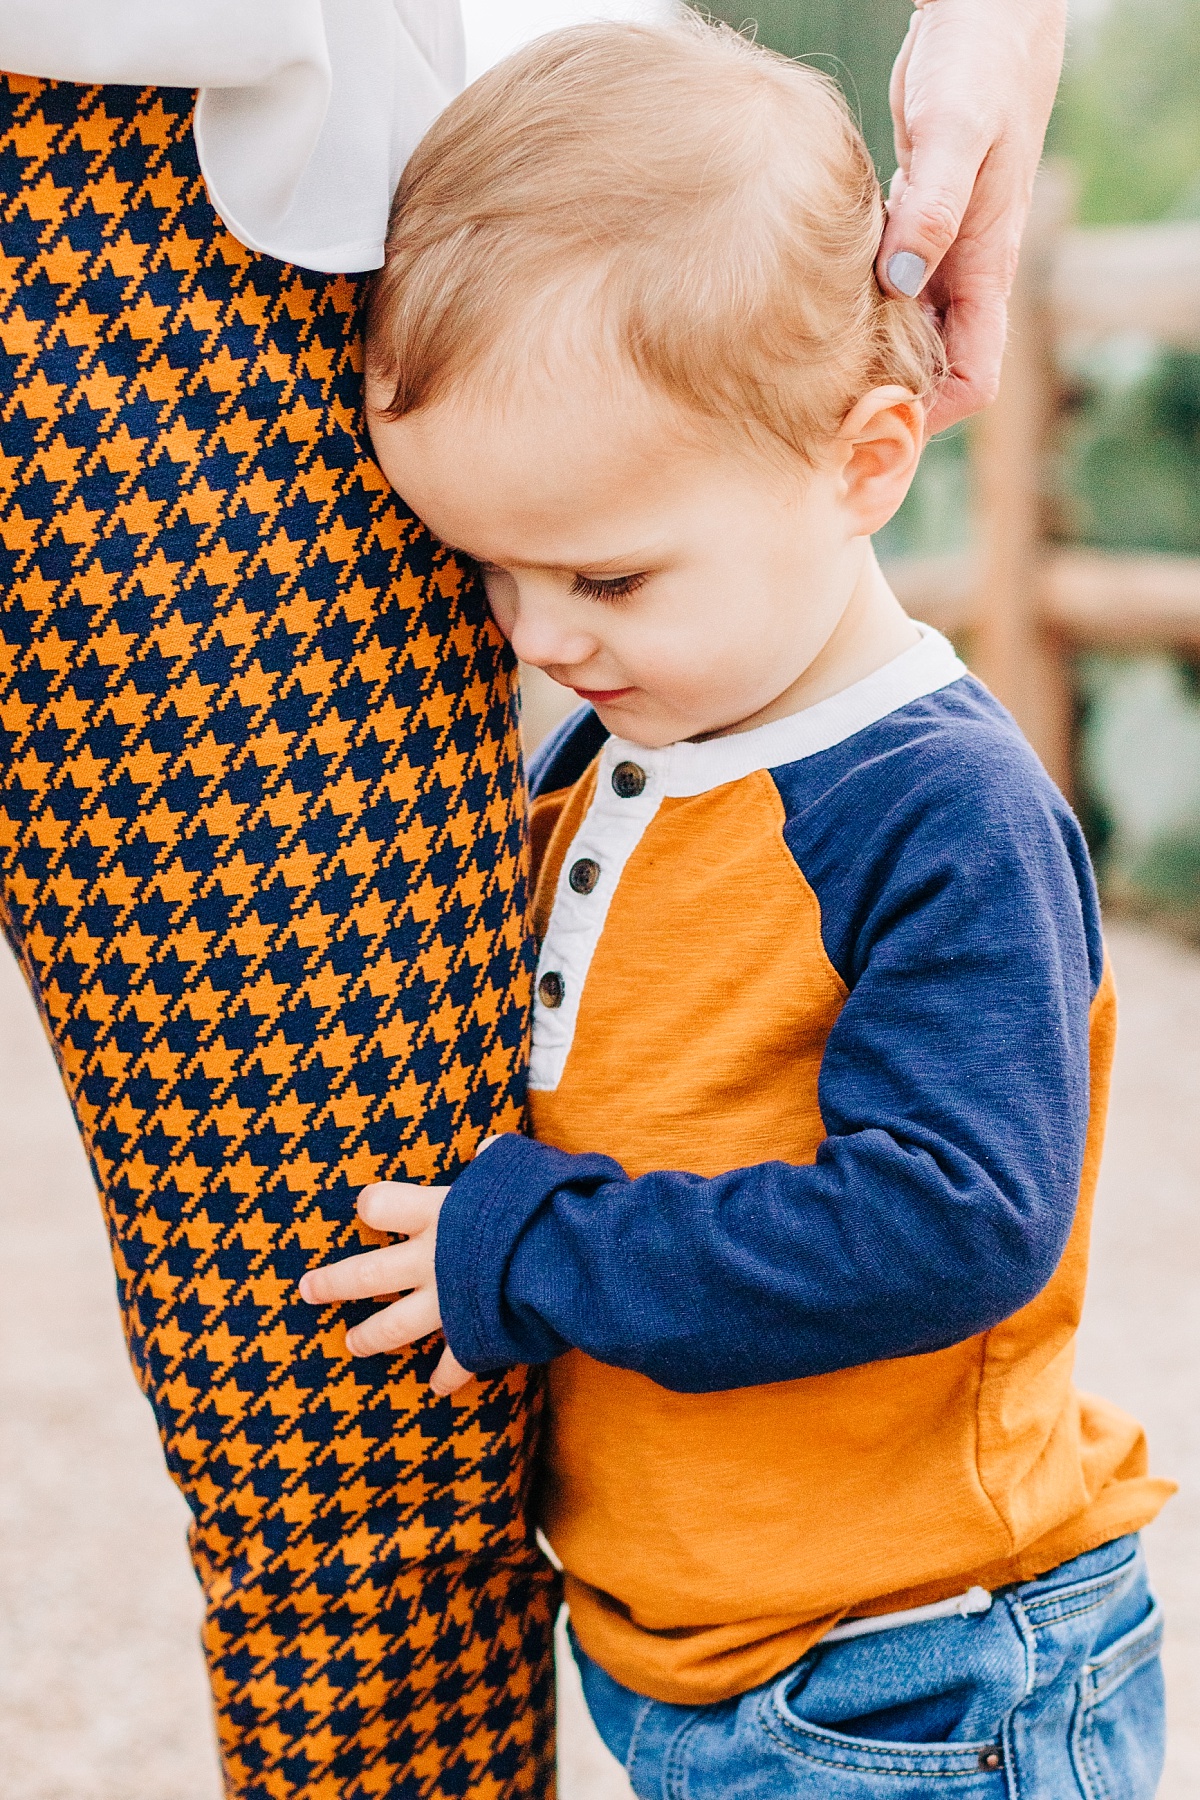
[1056, 1693]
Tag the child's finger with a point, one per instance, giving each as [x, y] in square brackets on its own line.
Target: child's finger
[449, 1375]
[395, 1326]
[392, 1270]
[399, 1206]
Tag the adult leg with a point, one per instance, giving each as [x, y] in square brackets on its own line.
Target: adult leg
[261, 857]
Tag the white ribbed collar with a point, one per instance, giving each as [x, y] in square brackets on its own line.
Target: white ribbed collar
[681, 770]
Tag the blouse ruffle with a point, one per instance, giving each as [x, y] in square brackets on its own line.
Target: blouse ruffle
[307, 111]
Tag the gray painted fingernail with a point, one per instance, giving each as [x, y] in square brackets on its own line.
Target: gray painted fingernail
[906, 271]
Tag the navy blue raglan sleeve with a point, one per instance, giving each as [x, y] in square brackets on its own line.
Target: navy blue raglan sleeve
[565, 752]
[958, 906]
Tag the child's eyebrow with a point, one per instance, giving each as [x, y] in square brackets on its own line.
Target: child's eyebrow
[623, 565]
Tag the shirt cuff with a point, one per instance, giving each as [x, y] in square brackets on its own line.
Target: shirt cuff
[487, 1212]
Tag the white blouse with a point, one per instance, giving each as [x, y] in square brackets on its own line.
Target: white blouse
[308, 109]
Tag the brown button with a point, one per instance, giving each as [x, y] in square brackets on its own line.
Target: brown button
[991, 1759]
[551, 990]
[628, 780]
[584, 875]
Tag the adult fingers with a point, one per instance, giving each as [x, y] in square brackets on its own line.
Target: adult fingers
[926, 212]
[974, 328]
[391, 1270]
[449, 1375]
[395, 1326]
[399, 1206]
[897, 93]
[970, 290]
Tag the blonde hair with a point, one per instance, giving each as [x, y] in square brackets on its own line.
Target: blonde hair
[714, 202]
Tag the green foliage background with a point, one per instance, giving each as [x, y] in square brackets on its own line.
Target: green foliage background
[1129, 112]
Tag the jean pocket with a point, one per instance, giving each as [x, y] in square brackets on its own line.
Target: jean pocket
[1119, 1731]
[840, 1767]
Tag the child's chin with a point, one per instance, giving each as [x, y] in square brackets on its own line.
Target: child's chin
[617, 716]
[637, 726]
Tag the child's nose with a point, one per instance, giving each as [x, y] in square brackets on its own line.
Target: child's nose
[548, 642]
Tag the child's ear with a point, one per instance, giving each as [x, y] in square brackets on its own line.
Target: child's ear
[880, 442]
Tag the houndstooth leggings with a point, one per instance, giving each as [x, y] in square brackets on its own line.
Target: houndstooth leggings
[262, 860]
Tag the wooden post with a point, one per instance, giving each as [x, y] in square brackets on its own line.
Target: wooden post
[1013, 651]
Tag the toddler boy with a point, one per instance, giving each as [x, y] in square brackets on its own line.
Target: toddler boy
[822, 1025]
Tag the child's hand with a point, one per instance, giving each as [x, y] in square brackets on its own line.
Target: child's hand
[406, 1268]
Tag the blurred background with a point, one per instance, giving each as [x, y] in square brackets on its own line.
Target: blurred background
[1055, 541]
[1120, 451]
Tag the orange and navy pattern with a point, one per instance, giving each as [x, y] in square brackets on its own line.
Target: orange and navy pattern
[261, 858]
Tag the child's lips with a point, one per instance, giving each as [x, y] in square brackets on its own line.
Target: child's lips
[603, 696]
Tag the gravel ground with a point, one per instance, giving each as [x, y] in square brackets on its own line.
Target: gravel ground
[102, 1692]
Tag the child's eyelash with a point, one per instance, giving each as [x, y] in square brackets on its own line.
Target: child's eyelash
[619, 587]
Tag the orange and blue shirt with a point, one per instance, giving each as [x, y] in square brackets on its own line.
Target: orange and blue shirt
[820, 1064]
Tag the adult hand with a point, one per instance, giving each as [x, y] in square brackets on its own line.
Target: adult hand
[971, 96]
[406, 1269]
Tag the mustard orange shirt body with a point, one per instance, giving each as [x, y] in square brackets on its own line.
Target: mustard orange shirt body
[820, 1063]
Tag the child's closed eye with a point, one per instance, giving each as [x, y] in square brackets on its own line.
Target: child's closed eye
[614, 587]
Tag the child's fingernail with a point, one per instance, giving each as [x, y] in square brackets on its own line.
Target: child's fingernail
[304, 1287]
[907, 271]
